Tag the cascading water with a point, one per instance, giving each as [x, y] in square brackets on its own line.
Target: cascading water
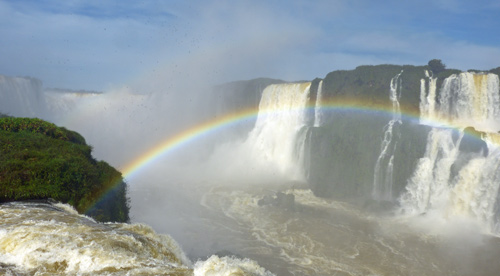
[429, 187]
[466, 99]
[447, 180]
[475, 191]
[427, 98]
[61, 102]
[383, 176]
[470, 98]
[21, 97]
[279, 135]
[318, 112]
[288, 237]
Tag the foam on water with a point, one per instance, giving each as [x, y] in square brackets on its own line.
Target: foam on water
[327, 237]
[47, 239]
[229, 266]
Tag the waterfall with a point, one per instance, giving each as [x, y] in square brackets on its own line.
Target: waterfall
[280, 132]
[427, 98]
[475, 190]
[21, 96]
[470, 192]
[429, 187]
[61, 102]
[465, 99]
[449, 180]
[383, 175]
[318, 120]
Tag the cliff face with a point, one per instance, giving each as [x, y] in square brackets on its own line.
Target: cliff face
[378, 140]
[344, 155]
[371, 155]
[371, 85]
[379, 131]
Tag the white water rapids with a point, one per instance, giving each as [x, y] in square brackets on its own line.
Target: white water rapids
[38, 238]
[447, 225]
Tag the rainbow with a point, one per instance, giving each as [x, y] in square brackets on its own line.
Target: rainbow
[185, 137]
[198, 131]
[195, 132]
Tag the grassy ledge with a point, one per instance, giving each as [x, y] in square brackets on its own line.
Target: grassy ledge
[39, 160]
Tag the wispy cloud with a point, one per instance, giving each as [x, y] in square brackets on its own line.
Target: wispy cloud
[95, 44]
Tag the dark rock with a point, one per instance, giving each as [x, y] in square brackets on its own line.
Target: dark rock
[281, 200]
[286, 201]
[342, 156]
[471, 146]
[472, 142]
[266, 200]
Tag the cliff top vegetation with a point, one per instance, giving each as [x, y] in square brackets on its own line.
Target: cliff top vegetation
[39, 160]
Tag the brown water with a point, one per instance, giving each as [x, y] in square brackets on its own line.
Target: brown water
[39, 238]
[327, 237]
[312, 236]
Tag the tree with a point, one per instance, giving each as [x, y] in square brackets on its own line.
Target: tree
[436, 66]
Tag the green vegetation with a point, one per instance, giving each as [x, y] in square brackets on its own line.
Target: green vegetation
[39, 160]
[495, 71]
[436, 66]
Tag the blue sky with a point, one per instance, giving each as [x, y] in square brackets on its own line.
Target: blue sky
[98, 45]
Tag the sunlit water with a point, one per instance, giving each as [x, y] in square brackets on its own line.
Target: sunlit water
[323, 236]
[40, 238]
[326, 237]
[315, 237]
[223, 230]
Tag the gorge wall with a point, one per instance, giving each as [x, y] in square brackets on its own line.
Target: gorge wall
[401, 135]
[421, 140]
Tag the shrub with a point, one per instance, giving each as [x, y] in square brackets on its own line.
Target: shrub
[39, 160]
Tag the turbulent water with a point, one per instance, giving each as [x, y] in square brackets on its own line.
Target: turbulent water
[38, 238]
[247, 210]
[326, 237]
[47, 239]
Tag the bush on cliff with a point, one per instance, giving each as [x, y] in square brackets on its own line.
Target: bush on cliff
[39, 160]
[436, 66]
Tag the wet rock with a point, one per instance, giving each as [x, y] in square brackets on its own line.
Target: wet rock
[472, 142]
[281, 200]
